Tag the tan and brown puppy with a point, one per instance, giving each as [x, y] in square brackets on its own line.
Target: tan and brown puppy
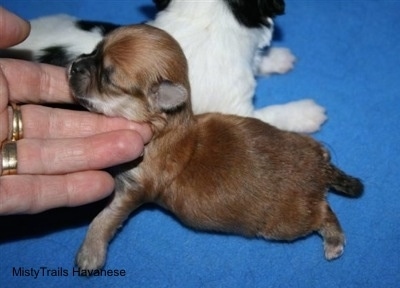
[215, 172]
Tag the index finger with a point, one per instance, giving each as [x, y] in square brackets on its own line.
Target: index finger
[30, 82]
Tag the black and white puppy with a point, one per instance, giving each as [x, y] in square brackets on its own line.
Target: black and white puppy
[223, 42]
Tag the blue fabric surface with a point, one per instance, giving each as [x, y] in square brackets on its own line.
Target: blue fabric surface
[348, 61]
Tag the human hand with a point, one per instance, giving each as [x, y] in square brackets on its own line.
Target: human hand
[62, 152]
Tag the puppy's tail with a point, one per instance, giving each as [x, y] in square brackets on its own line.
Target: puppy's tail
[348, 185]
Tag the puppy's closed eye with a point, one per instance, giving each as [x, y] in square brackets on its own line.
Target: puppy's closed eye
[106, 76]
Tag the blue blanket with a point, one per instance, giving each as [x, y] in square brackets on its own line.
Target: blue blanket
[348, 61]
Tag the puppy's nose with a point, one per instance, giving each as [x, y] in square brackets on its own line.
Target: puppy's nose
[78, 67]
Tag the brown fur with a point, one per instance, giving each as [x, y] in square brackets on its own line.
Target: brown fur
[214, 172]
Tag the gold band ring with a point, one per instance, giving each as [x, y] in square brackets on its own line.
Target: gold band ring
[17, 131]
[9, 148]
[9, 158]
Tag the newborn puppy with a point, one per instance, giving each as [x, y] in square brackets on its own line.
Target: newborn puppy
[214, 172]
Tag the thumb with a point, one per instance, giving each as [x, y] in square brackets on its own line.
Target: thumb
[13, 29]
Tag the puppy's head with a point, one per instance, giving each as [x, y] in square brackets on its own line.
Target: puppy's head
[138, 72]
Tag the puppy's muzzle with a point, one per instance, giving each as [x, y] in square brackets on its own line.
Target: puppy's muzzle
[80, 78]
[80, 67]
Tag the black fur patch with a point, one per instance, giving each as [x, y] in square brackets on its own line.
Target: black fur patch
[161, 4]
[254, 13]
[103, 27]
[55, 55]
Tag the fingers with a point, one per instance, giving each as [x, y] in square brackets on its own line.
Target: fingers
[13, 29]
[33, 194]
[60, 156]
[30, 82]
[45, 122]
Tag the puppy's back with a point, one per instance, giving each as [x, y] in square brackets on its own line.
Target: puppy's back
[244, 173]
[251, 143]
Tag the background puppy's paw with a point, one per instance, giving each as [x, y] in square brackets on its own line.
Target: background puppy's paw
[303, 116]
[91, 257]
[276, 60]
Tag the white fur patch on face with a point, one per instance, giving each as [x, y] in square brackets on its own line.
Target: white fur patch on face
[114, 106]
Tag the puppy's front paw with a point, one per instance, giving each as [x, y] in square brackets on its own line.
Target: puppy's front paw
[91, 256]
[277, 60]
[303, 116]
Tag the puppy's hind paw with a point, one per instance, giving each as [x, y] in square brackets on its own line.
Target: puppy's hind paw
[90, 257]
[333, 251]
[276, 60]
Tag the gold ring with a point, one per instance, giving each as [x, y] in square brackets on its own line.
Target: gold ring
[9, 158]
[17, 131]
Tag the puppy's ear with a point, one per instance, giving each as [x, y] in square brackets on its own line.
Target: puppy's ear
[168, 96]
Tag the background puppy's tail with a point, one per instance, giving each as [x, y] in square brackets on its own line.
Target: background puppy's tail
[348, 185]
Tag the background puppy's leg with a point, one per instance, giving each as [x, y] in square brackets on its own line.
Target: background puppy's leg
[92, 253]
[332, 234]
[303, 116]
[276, 61]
